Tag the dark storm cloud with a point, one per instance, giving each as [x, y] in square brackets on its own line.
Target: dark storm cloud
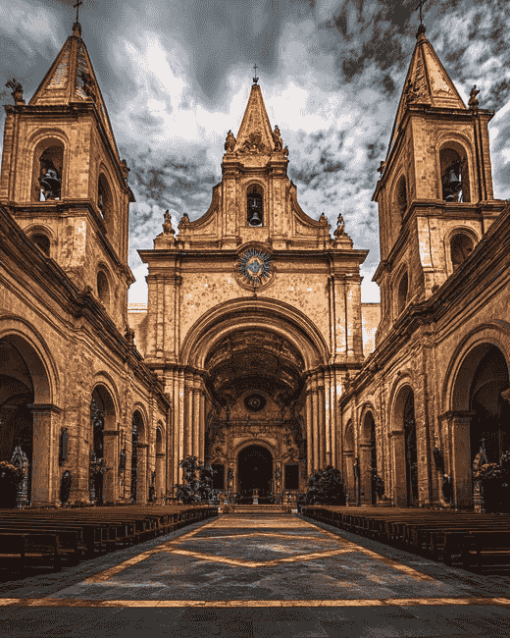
[170, 71]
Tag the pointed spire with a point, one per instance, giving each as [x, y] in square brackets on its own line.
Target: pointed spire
[427, 84]
[71, 79]
[255, 129]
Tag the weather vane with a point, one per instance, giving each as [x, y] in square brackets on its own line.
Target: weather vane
[255, 79]
[77, 7]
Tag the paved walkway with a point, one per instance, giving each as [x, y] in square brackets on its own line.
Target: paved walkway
[262, 576]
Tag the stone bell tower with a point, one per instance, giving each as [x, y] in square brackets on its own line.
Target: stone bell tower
[63, 181]
[435, 192]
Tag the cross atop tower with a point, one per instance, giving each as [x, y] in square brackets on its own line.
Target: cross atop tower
[420, 7]
[255, 79]
[77, 7]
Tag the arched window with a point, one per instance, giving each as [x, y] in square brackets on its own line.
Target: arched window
[104, 198]
[403, 289]
[255, 207]
[454, 173]
[461, 246]
[42, 242]
[402, 195]
[103, 289]
[49, 162]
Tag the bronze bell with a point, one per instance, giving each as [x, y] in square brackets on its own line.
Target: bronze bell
[451, 184]
[255, 219]
[50, 183]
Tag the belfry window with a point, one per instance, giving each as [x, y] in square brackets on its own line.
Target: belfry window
[104, 198]
[255, 206]
[103, 289]
[402, 195]
[454, 174]
[49, 185]
[461, 246]
[403, 289]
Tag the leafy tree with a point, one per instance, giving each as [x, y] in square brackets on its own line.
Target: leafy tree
[198, 482]
[325, 487]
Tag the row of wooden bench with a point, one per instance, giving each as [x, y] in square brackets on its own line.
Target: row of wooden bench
[56, 538]
[474, 541]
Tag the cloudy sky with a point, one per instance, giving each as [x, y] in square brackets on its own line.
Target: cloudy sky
[176, 76]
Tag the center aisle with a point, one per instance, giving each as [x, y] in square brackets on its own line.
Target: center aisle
[245, 575]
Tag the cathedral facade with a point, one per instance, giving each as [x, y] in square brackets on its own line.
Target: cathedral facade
[252, 353]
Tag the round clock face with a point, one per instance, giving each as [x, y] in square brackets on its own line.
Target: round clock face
[255, 402]
[255, 266]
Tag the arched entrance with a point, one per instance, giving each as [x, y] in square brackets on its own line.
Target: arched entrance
[102, 417]
[410, 451]
[138, 459]
[404, 449]
[479, 419]
[368, 459]
[255, 471]
[23, 383]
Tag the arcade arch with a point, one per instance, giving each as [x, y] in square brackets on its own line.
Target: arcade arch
[26, 393]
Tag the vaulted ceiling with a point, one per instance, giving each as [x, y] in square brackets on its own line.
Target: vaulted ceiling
[255, 359]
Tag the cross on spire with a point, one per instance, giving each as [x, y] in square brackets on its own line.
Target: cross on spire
[77, 7]
[420, 7]
[255, 79]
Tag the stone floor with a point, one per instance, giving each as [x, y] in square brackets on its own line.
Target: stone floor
[242, 575]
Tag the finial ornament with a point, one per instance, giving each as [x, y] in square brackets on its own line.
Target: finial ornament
[77, 25]
[277, 139]
[167, 225]
[17, 91]
[77, 7]
[230, 142]
[340, 227]
[473, 99]
[255, 79]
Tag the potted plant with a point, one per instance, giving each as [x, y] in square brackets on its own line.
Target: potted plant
[10, 478]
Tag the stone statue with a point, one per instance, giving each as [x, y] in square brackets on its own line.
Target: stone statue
[340, 227]
[184, 220]
[167, 224]
[17, 91]
[277, 139]
[124, 168]
[230, 142]
[473, 100]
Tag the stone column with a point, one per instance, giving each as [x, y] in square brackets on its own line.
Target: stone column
[322, 426]
[181, 423]
[349, 477]
[142, 484]
[160, 477]
[462, 476]
[309, 433]
[315, 420]
[365, 461]
[196, 420]
[340, 318]
[202, 425]
[46, 418]
[111, 457]
[152, 312]
[353, 319]
[399, 468]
